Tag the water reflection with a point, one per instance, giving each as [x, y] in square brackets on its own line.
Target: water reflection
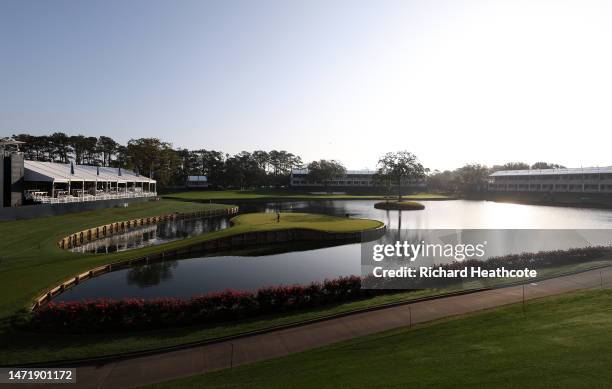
[154, 234]
[455, 214]
[303, 263]
[152, 274]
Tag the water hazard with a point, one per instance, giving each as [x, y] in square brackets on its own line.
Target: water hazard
[251, 269]
[154, 234]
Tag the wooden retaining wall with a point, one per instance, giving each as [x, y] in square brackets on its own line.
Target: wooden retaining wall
[81, 237]
[234, 241]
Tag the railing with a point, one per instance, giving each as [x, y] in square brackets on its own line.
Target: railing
[43, 199]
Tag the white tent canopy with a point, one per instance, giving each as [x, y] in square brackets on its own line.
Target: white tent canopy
[61, 173]
[83, 183]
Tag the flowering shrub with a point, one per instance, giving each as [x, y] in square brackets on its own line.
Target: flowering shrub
[137, 314]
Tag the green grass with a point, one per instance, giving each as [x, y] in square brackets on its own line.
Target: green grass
[31, 263]
[560, 342]
[285, 195]
[21, 347]
[267, 222]
[25, 347]
[400, 205]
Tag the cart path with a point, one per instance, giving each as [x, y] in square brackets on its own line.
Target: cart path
[200, 359]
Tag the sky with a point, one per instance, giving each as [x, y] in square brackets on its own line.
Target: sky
[454, 82]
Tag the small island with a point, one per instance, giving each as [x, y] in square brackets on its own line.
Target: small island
[399, 206]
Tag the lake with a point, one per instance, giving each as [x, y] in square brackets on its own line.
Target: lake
[303, 263]
[154, 234]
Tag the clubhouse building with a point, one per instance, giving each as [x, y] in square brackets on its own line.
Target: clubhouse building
[573, 180]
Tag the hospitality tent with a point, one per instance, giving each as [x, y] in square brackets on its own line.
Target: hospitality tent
[70, 180]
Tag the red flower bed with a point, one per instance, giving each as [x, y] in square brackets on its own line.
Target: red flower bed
[135, 314]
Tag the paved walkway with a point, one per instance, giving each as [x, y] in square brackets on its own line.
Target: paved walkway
[162, 367]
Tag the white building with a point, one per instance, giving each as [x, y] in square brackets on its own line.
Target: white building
[578, 180]
[363, 178]
[352, 179]
[197, 182]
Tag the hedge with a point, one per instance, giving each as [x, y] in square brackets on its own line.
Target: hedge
[104, 315]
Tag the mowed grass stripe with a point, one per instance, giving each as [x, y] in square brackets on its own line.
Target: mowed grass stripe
[562, 341]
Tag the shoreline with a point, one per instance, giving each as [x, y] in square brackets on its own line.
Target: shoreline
[211, 242]
[567, 200]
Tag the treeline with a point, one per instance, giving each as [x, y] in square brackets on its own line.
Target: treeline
[475, 177]
[169, 166]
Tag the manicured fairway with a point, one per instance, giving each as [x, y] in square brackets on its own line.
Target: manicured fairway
[285, 195]
[559, 342]
[31, 262]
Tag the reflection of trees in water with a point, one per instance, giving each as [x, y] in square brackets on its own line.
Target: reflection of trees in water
[280, 248]
[326, 207]
[149, 275]
[184, 228]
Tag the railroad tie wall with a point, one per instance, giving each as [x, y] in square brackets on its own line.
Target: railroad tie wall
[235, 241]
[81, 237]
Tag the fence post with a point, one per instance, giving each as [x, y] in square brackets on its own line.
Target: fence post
[410, 316]
[523, 306]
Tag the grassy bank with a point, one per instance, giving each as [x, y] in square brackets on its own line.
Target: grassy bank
[280, 195]
[25, 347]
[563, 341]
[22, 257]
[32, 262]
[46, 347]
[28, 347]
[30, 259]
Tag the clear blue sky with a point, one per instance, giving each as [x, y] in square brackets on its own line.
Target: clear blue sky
[453, 81]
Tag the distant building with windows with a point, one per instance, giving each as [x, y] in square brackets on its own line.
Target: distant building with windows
[196, 182]
[569, 180]
[351, 180]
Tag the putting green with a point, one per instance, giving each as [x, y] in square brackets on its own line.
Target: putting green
[268, 221]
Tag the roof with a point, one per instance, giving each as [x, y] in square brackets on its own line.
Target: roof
[543, 172]
[60, 172]
[10, 141]
[197, 178]
[305, 171]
